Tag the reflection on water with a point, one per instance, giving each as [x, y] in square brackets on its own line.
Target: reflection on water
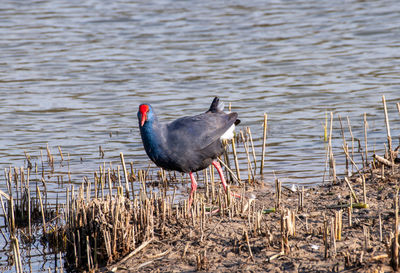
[71, 73]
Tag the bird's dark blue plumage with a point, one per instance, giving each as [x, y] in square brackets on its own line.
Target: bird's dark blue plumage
[187, 144]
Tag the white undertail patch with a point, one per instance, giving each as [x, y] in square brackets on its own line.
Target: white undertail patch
[229, 133]
[221, 106]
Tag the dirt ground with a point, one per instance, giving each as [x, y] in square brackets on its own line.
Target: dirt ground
[221, 244]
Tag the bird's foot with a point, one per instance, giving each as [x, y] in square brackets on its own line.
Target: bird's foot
[211, 212]
[236, 195]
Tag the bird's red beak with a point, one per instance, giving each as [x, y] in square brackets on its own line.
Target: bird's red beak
[143, 109]
[143, 120]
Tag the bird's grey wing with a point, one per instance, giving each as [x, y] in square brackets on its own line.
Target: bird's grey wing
[199, 131]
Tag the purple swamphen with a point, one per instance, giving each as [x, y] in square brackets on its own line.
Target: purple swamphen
[188, 144]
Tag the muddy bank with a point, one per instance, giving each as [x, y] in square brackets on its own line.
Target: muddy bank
[253, 241]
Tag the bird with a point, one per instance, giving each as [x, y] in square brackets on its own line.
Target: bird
[188, 144]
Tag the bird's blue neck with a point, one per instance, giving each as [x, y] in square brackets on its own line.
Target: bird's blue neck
[151, 133]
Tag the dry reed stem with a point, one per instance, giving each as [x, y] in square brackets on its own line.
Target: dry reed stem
[248, 245]
[5, 195]
[344, 141]
[351, 189]
[333, 237]
[29, 214]
[230, 171]
[278, 193]
[264, 143]
[109, 181]
[226, 158]
[6, 219]
[17, 254]
[12, 218]
[365, 139]
[249, 166]
[352, 139]
[325, 237]
[364, 189]
[236, 159]
[350, 213]
[389, 138]
[383, 161]
[125, 174]
[366, 237]
[380, 228]
[338, 225]
[252, 149]
[351, 160]
[61, 154]
[395, 245]
[332, 163]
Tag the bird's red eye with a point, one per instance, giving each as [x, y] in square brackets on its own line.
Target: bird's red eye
[144, 108]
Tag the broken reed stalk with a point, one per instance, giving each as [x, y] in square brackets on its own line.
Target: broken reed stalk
[6, 219]
[61, 154]
[338, 225]
[351, 189]
[133, 253]
[326, 127]
[366, 237]
[11, 221]
[264, 143]
[226, 158]
[249, 166]
[288, 228]
[332, 163]
[344, 142]
[351, 160]
[366, 140]
[364, 189]
[278, 192]
[383, 161]
[350, 212]
[352, 139]
[395, 243]
[398, 107]
[109, 181]
[333, 237]
[29, 213]
[252, 149]
[125, 174]
[235, 157]
[380, 227]
[229, 170]
[212, 180]
[17, 254]
[389, 138]
[248, 245]
[300, 199]
[325, 237]
[41, 208]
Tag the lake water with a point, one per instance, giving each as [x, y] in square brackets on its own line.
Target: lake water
[72, 74]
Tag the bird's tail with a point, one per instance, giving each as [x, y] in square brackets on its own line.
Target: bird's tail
[216, 106]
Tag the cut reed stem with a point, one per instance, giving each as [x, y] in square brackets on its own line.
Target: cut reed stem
[264, 143]
[125, 174]
[389, 138]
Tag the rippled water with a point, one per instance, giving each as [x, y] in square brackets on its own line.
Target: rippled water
[71, 73]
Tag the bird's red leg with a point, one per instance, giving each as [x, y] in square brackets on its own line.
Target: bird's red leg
[194, 187]
[221, 175]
